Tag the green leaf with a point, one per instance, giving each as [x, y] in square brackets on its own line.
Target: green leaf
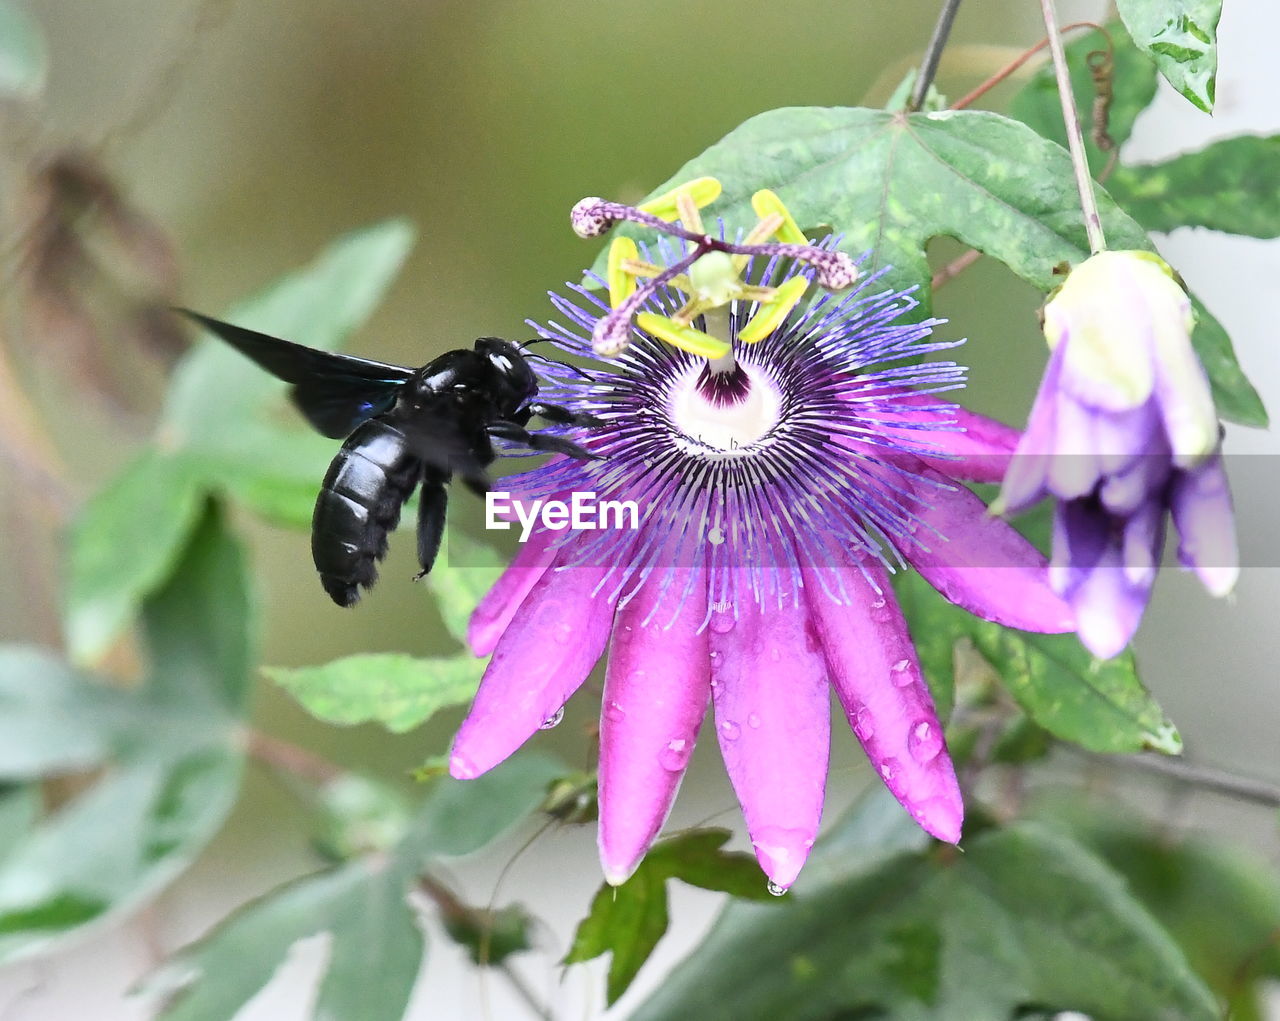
[1099, 705]
[1222, 906]
[627, 921]
[1133, 87]
[215, 437]
[24, 61]
[124, 544]
[490, 936]
[376, 945]
[395, 690]
[168, 753]
[1234, 395]
[889, 183]
[1228, 186]
[1024, 917]
[1181, 37]
[459, 583]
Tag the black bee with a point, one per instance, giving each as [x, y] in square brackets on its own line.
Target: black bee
[402, 426]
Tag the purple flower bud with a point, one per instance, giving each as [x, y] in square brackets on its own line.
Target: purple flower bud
[590, 218]
[1124, 408]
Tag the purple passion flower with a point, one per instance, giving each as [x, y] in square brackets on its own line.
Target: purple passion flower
[1122, 432]
[778, 487]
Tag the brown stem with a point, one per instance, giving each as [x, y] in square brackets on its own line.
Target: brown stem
[955, 267]
[1016, 63]
[290, 758]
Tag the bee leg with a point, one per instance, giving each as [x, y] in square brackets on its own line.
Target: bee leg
[541, 441]
[431, 513]
[558, 415]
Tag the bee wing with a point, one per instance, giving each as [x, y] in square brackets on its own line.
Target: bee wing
[335, 392]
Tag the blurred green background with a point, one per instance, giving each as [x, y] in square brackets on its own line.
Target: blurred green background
[254, 133]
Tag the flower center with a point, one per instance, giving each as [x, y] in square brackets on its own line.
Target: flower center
[724, 411]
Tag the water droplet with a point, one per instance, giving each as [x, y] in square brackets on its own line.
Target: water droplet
[889, 770]
[717, 662]
[675, 756]
[753, 721]
[730, 730]
[861, 721]
[614, 711]
[775, 889]
[722, 623]
[715, 535]
[901, 673]
[553, 720]
[924, 741]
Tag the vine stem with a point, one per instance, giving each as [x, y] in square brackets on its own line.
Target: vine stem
[1075, 138]
[1244, 788]
[933, 54]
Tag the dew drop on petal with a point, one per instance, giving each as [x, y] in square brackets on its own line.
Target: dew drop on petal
[924, 741]
[776, 890]
[901, 673]
[675, 755]
[878, 603]
[614, 711]
[861, 720]
[730, 730]
[722, 623]
[753, 720]
[889, 770]
[553, 720]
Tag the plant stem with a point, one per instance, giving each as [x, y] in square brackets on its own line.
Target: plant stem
[291, 758]
[1244, 788]
[933, 54]
[1075, 138]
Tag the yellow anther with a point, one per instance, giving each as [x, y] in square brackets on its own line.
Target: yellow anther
[684, 337]
[687, 211]
[622, 283]
[703, 191]
[771, 313]
[766, 204]
[640, 268]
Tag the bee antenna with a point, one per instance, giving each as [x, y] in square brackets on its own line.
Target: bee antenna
[565, 365]
[522, 345]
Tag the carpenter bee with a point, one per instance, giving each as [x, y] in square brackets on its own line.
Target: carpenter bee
[402, 427]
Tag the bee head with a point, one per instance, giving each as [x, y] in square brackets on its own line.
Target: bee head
[511, 369]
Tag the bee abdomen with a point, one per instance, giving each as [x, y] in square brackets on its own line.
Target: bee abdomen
[359, 503]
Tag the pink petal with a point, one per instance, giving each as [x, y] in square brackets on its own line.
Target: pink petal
[499, 605]
[876, 674]
[541, 659]
[656, 692]
[773, 720]
[980, 562]
[980, 451]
